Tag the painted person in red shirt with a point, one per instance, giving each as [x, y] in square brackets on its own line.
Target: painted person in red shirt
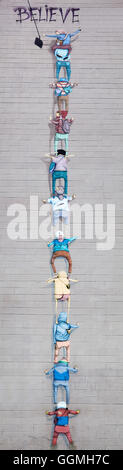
[61, 422]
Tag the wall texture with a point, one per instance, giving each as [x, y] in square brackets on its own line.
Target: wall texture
[96, 175]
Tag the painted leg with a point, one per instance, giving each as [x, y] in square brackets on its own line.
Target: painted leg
[56, 354]
[69, 437]
[58, 68]
[55, 437]
[66, 143]
[55, 144]
[53, 183]
[56, 310]
[55, 393]
[67, 393]
[68, 68]
[52, 264]
[66, 184]
[60, 100]
[68, 353]
[68, 309]
[66, 98]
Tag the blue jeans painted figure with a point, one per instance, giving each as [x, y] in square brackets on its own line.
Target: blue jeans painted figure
[61, 373]
[65, 64]
[63, 384]
[57, 175]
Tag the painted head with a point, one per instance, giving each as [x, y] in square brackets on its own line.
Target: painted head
[61, 152]
[62, 274]
[63, 361]
[59, 31]
[62, 318]
[60, 236]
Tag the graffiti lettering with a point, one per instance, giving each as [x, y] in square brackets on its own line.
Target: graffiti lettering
[46, 14]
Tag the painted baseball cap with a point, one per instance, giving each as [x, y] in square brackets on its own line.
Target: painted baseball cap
[61, 404]
[59, 234]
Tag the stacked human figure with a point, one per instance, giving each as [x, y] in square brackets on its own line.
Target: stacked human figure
[60, 202]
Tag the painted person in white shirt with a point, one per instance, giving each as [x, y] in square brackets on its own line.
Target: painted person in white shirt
[60, 205]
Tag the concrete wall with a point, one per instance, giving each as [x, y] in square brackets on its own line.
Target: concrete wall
[95, 174]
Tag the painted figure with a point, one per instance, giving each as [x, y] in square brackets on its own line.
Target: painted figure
[61, 335]
[62, 90]
[61, 249]
[58, 169]
[62, 422]
[62, 37]
[62, 49]
[62, 60]
[61, 373]
[60, 205]
[62, 289]
[62, 127]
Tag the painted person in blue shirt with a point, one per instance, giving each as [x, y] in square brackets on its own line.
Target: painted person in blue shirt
[61, 372]
[61, 248]
[62, 50]
[61, 335]
[62, 37]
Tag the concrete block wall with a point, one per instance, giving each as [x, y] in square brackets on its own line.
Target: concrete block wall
[95, 175]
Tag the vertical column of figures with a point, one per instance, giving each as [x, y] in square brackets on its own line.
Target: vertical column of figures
[60, 202]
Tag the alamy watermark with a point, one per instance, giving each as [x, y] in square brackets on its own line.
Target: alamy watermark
[91, 222]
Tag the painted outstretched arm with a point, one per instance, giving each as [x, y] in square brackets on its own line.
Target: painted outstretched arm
[72, 327]
[50, 35]
[73, 84]
[72, 412]
[50, 413]
[53, 121]
[50, 280]
[51, 243]
[52, 85]
[72, 239]
[73, 369]
[76, 32]
[49, 372]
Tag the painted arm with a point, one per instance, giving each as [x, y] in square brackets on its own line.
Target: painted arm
[72, 412]
[50, 280]
[72, 239]
[51, 243]
[76, 32]
[53, 121]
[52, 85]
[72, 327]
[49, 372]
[50, 413]
[73, 369]
[74, 84]
[51, 35]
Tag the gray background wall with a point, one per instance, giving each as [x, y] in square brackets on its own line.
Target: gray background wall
[95, 174]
